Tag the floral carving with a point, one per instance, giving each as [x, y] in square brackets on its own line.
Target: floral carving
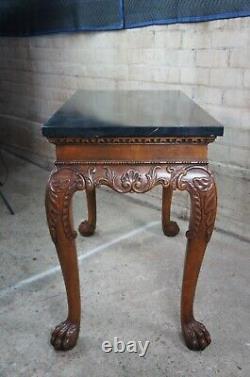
[197, 180]
[131, 180]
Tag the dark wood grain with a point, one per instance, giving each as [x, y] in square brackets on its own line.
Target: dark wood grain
[75, 172]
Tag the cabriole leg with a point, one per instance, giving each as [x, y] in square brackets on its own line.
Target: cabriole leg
[202, 189]
[60, 189]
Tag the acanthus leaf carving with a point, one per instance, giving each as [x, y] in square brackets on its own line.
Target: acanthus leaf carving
[61, 187]
[197, 180]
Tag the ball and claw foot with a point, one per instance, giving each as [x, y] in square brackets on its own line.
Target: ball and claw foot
[65, 335]
[86, 229]
[196, 336]
[171, 229]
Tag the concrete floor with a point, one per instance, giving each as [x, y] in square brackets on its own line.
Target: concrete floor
[131, 282]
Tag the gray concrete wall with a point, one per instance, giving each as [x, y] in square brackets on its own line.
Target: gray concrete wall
[210, 62]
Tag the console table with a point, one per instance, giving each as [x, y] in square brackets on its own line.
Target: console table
[131, 141]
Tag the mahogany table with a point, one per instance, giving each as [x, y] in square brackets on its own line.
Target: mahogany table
[131, 141]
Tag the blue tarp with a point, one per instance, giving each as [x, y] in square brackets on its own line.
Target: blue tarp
[34, 17]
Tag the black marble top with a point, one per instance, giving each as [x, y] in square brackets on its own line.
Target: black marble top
[91, 114]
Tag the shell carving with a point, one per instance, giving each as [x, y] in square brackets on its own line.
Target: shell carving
[197, 180]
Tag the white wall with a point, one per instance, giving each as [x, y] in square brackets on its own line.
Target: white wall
[210, 62]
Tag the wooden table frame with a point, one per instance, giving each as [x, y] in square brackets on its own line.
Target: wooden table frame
[131, 165]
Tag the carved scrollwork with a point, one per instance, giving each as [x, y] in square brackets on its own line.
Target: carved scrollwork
[197, 180]
[131, 180]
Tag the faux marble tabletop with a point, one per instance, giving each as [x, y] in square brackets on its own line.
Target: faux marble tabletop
[91, 114]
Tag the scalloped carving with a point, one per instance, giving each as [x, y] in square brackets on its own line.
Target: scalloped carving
[131, 180]
[197, 180]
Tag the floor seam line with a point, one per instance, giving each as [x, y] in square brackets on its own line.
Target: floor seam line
[6, 291]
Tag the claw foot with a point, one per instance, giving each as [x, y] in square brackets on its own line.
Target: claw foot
[196, 336]
[65, 336]
[171, 229]
[86, 229]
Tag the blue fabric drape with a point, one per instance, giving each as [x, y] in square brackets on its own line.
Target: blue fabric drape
[34, 17]
[146, 12]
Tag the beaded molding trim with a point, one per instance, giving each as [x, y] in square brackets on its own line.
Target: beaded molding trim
[128, 163]
[133, 140]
